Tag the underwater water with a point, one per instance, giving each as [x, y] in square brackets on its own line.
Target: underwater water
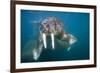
[75, 23]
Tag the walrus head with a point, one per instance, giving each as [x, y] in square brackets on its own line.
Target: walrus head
[50, 26]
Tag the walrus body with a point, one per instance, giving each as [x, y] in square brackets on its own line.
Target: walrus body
[52, 27]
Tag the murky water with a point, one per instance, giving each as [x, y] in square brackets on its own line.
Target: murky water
[74, 23]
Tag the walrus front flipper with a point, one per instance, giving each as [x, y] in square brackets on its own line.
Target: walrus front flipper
[38, 49]
[66, 41]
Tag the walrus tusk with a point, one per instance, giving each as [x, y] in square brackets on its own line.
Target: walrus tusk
[44, 40]
[52, 39]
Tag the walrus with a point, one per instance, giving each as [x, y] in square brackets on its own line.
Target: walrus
[52, 27]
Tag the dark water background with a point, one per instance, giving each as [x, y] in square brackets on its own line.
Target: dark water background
[75, 23]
